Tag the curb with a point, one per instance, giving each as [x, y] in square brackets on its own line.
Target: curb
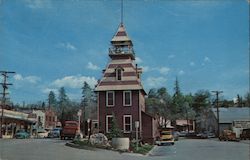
[69, 144]
[150, 152]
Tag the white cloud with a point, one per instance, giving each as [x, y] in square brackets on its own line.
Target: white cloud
[181, 72]
[67, 46]
[156, 81]
[171, 56]
[74, 81]
[38, 4]
[192, 64]
[138, 60]
[30, 79]
[164, 70]
[207, 59]
[47, 90]
[92, 66]
[145, 68]
[18, 77]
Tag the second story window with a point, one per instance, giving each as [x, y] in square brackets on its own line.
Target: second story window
[127, 98]
[110, 98]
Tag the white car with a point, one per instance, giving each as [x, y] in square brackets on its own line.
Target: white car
[42, 133]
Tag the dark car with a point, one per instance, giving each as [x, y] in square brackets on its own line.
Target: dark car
[22, 134]
[245, 134]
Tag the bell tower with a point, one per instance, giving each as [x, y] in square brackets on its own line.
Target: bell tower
[121, 44]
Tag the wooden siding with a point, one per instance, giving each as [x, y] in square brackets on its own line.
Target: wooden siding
[147, 128]
[118, 110]
[121, 65]
[118, 83]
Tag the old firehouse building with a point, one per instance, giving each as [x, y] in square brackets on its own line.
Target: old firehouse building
[121, 94]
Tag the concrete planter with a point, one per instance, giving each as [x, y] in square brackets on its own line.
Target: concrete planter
[120, 143]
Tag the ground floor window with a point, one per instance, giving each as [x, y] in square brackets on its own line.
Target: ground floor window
[109, 119]
[127, 123]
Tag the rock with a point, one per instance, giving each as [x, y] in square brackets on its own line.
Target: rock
[99, 139]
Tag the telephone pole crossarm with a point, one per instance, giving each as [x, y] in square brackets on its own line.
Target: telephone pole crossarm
[4, 93]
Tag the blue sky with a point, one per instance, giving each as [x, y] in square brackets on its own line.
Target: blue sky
[55, 43]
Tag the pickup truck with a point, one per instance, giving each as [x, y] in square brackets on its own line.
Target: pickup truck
[69, 130]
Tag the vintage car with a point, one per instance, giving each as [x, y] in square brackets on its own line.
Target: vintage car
[22, 134]
[42, 133]
[166, 137]
[55, 133]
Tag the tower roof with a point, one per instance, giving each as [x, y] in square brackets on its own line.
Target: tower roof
[121, 35]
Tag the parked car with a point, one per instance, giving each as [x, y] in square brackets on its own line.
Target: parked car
[22, 134]
[166, 137]
[176, 135]
[210, 135]
[245, 134]
[42, 133]
[183, 133]
[69, 130]
[202, 135]
[55, 133]
[192, 135]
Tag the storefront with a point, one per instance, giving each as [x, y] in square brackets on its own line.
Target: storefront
[13, 121]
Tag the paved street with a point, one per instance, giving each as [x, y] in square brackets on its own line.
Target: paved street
[51, 149]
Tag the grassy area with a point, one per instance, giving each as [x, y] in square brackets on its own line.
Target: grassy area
[142, 149]
[85, 144]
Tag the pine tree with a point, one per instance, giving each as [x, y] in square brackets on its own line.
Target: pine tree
[52, 99]
[115, 131]
[178, 101]
[63, 103]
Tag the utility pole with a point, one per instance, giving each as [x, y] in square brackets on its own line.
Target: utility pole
[5, 87]
[217, 106]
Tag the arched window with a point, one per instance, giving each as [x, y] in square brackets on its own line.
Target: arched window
[119, 71]
[119, 74]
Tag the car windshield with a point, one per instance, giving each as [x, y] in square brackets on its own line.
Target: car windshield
[70, 124]
[21, 130]
[165, 133]
[56, 129]
[41, 131]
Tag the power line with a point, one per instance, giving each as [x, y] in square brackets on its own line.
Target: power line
[217, 109]
[4, 93]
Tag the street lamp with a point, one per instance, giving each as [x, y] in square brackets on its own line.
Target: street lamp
[88, 128]
[186, 108]
[79, 113]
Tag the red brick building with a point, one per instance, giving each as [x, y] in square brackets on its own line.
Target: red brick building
[50, 119]
[120, 92]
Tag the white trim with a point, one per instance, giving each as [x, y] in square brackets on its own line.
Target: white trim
[107, 98]
[130, 102]
[124, 128]
[107, 116]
